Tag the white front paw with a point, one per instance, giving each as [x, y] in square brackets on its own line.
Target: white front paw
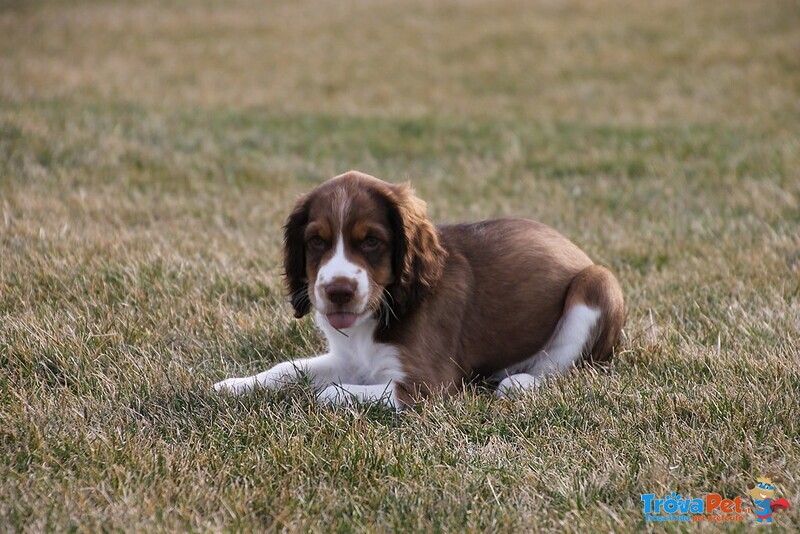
[333, 395]
[514, 386]
[235, 386]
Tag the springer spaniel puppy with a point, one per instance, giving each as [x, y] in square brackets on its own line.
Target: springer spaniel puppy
[409, 308]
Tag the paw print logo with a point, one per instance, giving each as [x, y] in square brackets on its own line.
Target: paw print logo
[762, 493]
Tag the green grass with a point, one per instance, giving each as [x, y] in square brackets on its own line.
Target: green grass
[149, 153]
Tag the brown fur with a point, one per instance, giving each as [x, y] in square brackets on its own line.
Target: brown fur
[464, 300]
[596, 287]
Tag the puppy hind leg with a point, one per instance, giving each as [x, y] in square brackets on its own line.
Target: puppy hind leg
[589, 328]
[594, 313]
[574, 332]
[597, 287]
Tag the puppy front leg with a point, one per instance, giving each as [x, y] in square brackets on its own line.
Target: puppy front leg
[320, 369]
[350, 394]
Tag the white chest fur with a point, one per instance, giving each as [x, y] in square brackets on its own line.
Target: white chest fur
[362, 360]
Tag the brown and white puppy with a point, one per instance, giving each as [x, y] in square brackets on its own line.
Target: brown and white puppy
[409, 308]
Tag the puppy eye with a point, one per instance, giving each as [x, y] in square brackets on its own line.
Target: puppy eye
[370, 243]
[316, 242]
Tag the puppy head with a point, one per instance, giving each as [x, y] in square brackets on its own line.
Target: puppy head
[356, 246]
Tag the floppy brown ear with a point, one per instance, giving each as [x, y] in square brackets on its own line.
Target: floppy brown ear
[419, 257]
[294, 258]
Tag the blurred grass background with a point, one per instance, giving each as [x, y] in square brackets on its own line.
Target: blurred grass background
[149, 152]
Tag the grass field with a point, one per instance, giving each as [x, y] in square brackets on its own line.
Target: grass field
[150, 151]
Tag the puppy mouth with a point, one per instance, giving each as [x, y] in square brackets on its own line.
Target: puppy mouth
[341, 319]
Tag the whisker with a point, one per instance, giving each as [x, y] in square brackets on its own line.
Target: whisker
[388, 305]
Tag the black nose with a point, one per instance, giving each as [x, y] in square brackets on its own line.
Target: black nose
[339, 292]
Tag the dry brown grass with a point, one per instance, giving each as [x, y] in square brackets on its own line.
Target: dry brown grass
[610, 62]
[149, 152]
